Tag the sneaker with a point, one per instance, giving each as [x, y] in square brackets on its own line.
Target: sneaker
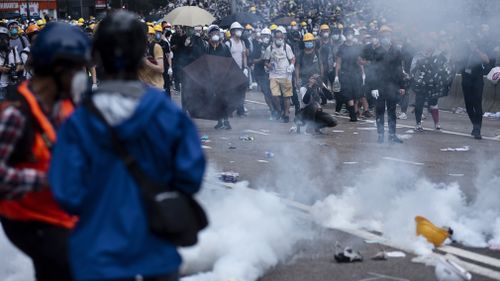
[423, 116]
[380, 139]
[227, 125]
[219, 125]
[438, 127]
[419, 128]
[394, 139]
[478, 137]
[286, 119]
[403, 116]
[367, 114]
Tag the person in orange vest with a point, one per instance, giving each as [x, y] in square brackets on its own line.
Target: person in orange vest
[30, 217]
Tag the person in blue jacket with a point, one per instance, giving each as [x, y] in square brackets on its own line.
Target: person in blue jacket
[111, 240]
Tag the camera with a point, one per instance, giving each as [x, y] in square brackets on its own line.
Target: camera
[13, 75]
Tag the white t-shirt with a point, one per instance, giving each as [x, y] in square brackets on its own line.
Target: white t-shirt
[280, 58]
[24, 59]
[13, 58]
[237, 50]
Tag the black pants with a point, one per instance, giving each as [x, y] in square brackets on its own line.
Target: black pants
[419, 105]
[45, 244]
[473, 97]
[295, 96]
[390, 100]
[166, 83]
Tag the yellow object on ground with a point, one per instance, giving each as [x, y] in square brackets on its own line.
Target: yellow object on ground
[433, 234]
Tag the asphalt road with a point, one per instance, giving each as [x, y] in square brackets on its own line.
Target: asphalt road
[306, 168]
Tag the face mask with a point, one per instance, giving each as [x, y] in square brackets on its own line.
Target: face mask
[349, 37]
[238, 33]
[158, 37]
[13, 32]
[309, 45]
[279, 42]
[265, 40]
[315, 33]
[197, 34]
[295, 28]
[325, 35]
[79, 85]
[336, 37]
[215, 38]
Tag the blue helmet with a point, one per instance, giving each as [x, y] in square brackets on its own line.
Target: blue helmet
[59, 42]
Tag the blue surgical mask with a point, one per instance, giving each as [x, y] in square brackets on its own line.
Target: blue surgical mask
[13, 31]
[309, 45]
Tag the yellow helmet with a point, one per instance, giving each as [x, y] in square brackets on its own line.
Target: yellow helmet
[432, 233]
[324, 27]
[248, 27]
[273, 27]
[293, 23]
[40, 23]
[385, 28]
[228, 34]
[303, 23]
[253, 9]
[81, 20]
[92, 26]
[158, 28]
[151, 30]
[308, 37]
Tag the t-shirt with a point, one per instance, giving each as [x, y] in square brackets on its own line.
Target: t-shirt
[13, 58]
[309, 65]
[280, 58]
[16, 43]
[237, 50]
[150, 76]
[349, 56]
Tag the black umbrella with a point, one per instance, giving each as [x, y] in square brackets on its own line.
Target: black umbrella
[242, 18]
[212, 86]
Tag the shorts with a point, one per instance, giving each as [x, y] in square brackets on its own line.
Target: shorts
[281, 87]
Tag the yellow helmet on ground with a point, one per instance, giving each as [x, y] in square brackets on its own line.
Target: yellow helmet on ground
[324, 27]
[293, 23]
[273, 27]
[308, 37]
[158, 28]
[433, 234]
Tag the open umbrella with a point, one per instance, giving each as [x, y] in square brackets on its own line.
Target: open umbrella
[189, 16]
[242, 18]
[284, 20]
[213, 85]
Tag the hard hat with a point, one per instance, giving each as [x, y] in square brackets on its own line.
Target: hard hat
[212, 28]
[151, 30]
[40, 23]
[303, 23]
[92, 26]
[4, 30]
[228, 34]
[385, 28]
[59, 41]
[308, 37]
[253, 9]
[273, 27]
[340, 26]
[248, 27]
[150, 23]
[448, 270]
[81, 20]
[120, 37]
[266, 31]
[158, 28]
[12, 22]
[324, 27]
[432, 233]
[236, 25]
[281, 29]
[293, 23]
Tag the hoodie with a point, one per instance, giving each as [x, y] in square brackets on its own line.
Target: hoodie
[112, 239]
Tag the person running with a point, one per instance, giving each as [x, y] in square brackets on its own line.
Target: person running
[280, 61]
[112, 239]
[31, 218]
[349, 72]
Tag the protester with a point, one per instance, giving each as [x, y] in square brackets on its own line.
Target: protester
[152, 69]
[239, 53]
[17, 41]
[10, 63]
[30, 217]
[262, 74]
[112, 240]
[308, 64]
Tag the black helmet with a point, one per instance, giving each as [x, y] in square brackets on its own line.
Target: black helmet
[59, 42]
[120, 43]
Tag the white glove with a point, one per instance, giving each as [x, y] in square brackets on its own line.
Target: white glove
[245, 71]
[187, 42]
[290, 68]
[94, 87]
[375, 94]
[364, 78]
[336, 79]
[170, 72]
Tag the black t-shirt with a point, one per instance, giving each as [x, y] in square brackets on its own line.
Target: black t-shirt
[326, 53]
[349, 56]
[221, 50]
[309, 64]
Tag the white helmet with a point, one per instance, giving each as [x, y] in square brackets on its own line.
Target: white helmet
[266, 31]
[4, 30]
[281, 29]
[236, 25]
[212, 28]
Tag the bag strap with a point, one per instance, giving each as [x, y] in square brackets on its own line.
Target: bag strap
[148, 186]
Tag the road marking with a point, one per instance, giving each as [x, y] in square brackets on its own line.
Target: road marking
[497, 138]
[255, 132]
[382, 277]
[403, 161]
[472, 256]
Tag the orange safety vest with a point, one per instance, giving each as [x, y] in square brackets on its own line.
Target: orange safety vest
[40, 205]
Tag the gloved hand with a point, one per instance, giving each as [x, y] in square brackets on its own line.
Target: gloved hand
[363, 76]
[290, 68]
[336, 79]
[375, 94]
[245, 71]
[94, 87]
[187, 42]
[170, 72]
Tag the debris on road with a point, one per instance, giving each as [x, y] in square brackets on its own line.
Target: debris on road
[458, 149]
[405, 136]
[205, 139]
[367, 128]
[206, 147]
[456, 175]
[262, 161]
[433, 234]
[350, 163]
[293, 130]
[396, 254]
[459, 110]
[337, 131]
[255, 132]
[229, 177]
[348, 255]
[269, 154]
[355, 133]
[410, 131]
[380, 256]
[383, 255]
[492, 115]
[449, 270]
[246, 138]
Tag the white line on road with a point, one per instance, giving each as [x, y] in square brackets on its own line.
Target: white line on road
[403, 161]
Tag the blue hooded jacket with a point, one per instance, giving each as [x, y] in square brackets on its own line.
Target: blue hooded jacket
[111, 239]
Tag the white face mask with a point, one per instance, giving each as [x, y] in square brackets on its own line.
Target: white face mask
[349, 37]
[197, 33]
[79, 85]
[265, 40]
[336, 37]
[215, 38]
[295, 27]
[238, 33]
[325, 34]
[279, 42]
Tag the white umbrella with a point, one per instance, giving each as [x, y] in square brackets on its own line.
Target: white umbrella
[189, 16]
